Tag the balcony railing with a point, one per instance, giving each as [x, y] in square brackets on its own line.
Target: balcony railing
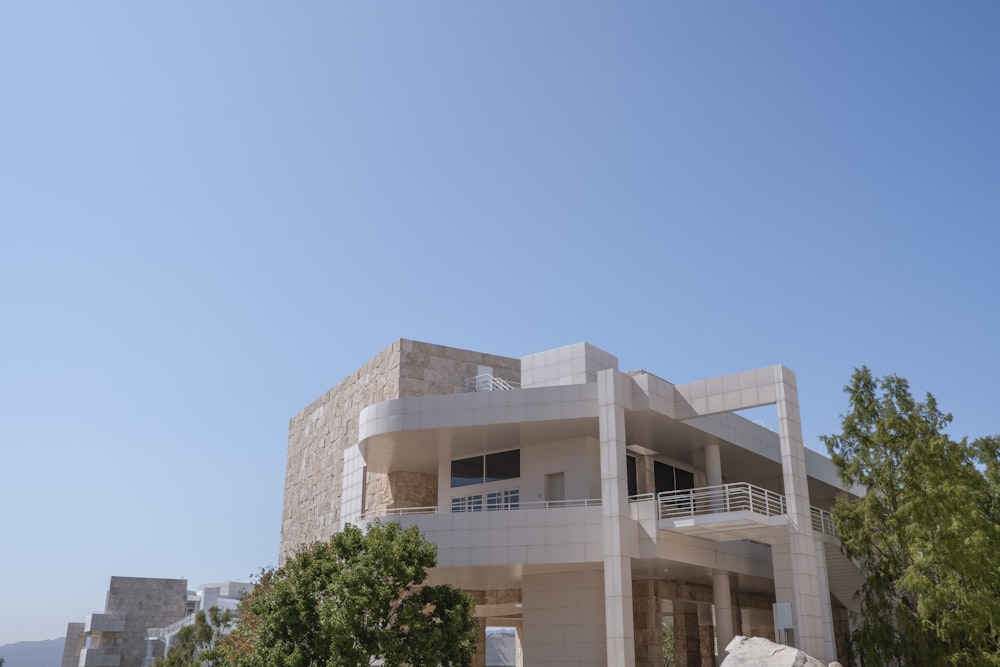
[822, 522]
[735, 497]
[540, 504]
[489, 382]
[170, 630]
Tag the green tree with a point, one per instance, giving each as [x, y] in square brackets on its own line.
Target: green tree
[194, 644]
[668, 645]
[925, 535]
[359, 599]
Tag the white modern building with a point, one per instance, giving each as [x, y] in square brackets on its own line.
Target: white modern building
[223, 596]
[584, 506]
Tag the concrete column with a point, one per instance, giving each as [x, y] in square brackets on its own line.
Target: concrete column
[619, 629]
[723, 599]
[713, 465]
[806, 602]
[826, 610]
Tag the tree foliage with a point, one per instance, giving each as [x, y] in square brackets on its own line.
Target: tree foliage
[359, 599]
[194, 644]
[926, 535]
[669, 660]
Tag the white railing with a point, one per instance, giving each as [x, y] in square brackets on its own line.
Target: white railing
[822, 522]
[736, 497]
[539, 504]
[170, 630]
[489, 382]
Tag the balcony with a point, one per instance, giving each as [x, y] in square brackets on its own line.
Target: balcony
[98, 622]
[719, 513]
[105, 656]
[733, 511]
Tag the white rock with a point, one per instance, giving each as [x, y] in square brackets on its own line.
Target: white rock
[759, 652]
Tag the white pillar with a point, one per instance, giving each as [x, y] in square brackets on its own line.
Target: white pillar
[713, 465]
[806, 602]
[824, 603]
[619, 624]
[723, 599]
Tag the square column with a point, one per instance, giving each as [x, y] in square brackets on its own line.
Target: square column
[806, 605]
[620, 633]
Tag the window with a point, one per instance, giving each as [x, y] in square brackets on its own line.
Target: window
[472, 503]
[633, 485]
[503, 500]
[503, 465]
[669, 478]
[489, 468]
[467, 471]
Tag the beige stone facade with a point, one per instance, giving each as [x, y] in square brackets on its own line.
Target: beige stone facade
[318, 436]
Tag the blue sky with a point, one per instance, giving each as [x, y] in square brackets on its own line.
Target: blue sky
[210, 213]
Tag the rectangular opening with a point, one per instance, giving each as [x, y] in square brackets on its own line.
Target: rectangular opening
[555, 487]
[633, 483]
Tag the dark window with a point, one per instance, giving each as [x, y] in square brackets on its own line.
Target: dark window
[633, 486]
[467, 471]
[685, 479]
[503, 465]
[669, 478]
[488, 468]
[664, 475]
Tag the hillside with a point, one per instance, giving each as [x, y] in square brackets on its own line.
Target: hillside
[45, 653]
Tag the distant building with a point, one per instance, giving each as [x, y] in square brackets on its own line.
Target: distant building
[585, 507]
[140, 617]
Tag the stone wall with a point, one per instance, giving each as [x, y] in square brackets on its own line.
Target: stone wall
[147, 603]
[647, 622]
[318, 436]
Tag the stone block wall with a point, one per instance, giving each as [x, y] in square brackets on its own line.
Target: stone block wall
[147, 603]
[318, 436]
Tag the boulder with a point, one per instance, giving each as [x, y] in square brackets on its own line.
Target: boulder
[759, 652]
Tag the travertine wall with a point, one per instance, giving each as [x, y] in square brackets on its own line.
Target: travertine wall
[318, 436]
[147, 603]
[647, 617]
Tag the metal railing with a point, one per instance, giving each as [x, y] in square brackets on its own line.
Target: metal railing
[489, 382]
[170, 630]
[822, 522]
[540, 504]
[739, 496]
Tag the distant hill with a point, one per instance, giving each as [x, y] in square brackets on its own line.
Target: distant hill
[46, 653]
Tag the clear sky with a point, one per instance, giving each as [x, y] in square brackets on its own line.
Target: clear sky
[212, 212]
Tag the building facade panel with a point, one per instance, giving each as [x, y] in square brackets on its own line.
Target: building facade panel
[611, 502]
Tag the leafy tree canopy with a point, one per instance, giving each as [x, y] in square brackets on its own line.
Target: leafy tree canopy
[359, 599]
[926, 535]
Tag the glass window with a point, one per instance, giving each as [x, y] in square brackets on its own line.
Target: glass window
[633, 486]
[503, 500]
[503, 465]
[467, 471]
[664, 475]
[669, 478]
[685, 479]
[467, 504]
